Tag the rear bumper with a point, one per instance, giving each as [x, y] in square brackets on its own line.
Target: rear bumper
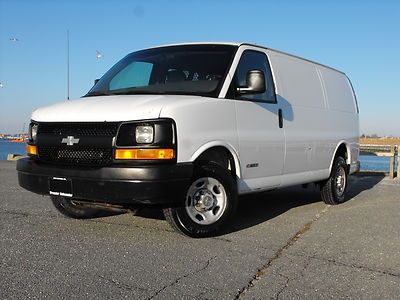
[354, 167]
[156, 184]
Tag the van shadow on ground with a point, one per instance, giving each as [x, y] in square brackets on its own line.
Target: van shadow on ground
[258, 208]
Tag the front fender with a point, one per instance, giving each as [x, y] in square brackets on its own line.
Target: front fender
[223, 144]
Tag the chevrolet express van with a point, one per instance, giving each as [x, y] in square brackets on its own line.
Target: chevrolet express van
[190, 127]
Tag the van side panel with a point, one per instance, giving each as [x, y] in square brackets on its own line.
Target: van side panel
[301, 96]
[343, 107]
[338, 91]
[319, 112]
[299, 82]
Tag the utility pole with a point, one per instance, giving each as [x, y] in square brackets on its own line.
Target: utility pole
[68, 64]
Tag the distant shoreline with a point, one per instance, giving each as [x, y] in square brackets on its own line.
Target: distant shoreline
[380, 141]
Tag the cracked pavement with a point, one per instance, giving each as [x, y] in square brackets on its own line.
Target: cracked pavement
[283, 244]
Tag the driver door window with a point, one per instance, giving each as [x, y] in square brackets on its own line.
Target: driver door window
[254, 60]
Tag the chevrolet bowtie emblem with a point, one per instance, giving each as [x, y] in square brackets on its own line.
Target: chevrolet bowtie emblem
[70, 141]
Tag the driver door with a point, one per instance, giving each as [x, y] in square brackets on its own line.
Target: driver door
[261, 140]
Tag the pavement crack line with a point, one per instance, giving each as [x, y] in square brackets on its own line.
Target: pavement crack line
[263, 269]
[182, 277]
[123, 286]
[353, 266]
[288, 279]
[222, 239]
[199, 295]
[22, 214]
[284, 286]
[15, 213]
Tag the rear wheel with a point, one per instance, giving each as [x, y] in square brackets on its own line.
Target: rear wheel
[210, 202]
[69, 208]
[333, 190]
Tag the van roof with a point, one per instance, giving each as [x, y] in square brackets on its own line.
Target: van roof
[248, 44]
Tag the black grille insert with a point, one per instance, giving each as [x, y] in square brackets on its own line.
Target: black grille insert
[79, 129]
[76, 156]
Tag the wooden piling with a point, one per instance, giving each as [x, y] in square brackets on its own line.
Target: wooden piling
[398, 162]
[392, 161]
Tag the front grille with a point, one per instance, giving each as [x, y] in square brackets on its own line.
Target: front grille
[79, 128]
[94, 147]
[76, 156]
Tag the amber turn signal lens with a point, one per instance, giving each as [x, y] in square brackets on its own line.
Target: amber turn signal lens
[144, 154]
[31, 150]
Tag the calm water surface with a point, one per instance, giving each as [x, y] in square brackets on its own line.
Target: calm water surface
[374, 163]
[8, 147]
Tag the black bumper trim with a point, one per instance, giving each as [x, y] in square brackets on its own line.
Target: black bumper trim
[154, 184]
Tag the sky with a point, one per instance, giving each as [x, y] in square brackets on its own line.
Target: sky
[359, 37]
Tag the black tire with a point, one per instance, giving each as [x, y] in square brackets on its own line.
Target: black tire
[333, 190]
[181, 218]
[70, 209]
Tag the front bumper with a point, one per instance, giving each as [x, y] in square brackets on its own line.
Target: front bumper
[123, 185]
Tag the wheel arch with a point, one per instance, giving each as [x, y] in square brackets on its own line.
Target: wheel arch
[213, 149]
[342, 149]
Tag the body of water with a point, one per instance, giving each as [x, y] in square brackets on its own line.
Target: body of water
[371, 163]
[8, 147]
[375, 163]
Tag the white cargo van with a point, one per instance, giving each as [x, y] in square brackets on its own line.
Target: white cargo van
[190, 127]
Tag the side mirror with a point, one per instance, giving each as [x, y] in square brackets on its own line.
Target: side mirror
[255, 82]
[96, 81]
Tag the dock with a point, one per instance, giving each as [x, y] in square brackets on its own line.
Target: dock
[391, 151]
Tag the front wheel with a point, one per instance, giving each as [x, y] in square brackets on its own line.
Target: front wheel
[69, 208]
[210, 202]
[333, 190]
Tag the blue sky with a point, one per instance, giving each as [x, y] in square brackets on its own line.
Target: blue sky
[361, 38]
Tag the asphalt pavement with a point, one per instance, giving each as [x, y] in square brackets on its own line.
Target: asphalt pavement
[284, 244]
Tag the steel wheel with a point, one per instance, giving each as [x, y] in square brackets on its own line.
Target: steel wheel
[333, 190]
[205, 201]
[340, 181]
[210, 202]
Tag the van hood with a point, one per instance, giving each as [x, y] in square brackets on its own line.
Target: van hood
[106, 108]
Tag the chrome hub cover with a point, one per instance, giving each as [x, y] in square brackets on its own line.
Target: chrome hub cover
[204, 200]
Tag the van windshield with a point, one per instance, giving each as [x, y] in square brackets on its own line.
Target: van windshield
[176, 70]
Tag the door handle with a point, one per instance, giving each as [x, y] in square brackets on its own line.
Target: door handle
[280, 118]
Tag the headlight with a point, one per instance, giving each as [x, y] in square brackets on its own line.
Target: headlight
[158, 133]
[144, 134]
[33, 128]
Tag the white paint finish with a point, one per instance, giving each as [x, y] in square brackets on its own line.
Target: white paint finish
[261, 142]
[106, 108]
[312, 129]
[339, 92]
[298, 123]
[258, 184]
[304, 177]
[220, 143]
[201, 121]
[299, 81]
